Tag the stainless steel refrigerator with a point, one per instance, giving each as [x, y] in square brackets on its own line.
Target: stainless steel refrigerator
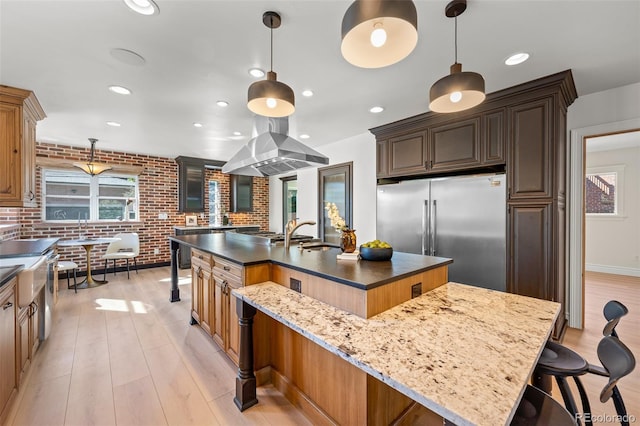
[463, 218]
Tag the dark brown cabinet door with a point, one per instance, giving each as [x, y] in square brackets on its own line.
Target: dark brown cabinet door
[530, 155]
[529, 250]
[493, 137]
[241, 194]
[454, 146]
[382, 159]
[407, 154]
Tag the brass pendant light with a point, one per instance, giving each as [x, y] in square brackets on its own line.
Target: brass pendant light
[378, 33]
[270, 97]
[459, 90]
[92, 168]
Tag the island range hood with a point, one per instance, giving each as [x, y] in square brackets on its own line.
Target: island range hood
[272, 151]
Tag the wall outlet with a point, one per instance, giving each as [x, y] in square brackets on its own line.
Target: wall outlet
[156, 251]
[163, 216]
[295, 285]
[416, 290]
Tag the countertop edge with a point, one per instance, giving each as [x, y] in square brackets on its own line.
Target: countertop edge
[14, 271]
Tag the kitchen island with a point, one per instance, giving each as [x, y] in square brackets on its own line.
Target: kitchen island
[367, 342]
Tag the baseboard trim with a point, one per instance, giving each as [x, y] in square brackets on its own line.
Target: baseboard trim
[617, 270]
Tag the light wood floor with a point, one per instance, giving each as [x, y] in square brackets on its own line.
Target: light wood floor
[599, 289]
[123, 354]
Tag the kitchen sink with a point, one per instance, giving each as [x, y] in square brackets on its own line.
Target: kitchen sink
[31, 279]
[318, 246]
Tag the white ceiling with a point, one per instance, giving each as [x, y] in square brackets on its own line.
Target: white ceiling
[198, 52]
[615, 141]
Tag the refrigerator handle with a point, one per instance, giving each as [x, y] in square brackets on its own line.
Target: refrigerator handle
[434, 228]
[426, 249]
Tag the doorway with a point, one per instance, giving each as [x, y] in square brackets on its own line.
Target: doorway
[581, 140]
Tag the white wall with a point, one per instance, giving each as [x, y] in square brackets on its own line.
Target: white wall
[361, 150]
[613, 244]
[619, 104]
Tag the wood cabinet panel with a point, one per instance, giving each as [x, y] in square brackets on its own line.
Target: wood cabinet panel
[529, 250]
[8, 350]
[241, 193]
[493, 137]
[530, 168]
[454, 146]
[407, 154]
[23, 342]
[19, 113]
[382, 158]
[218, 330]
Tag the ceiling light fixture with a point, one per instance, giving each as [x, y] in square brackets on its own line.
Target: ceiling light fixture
[378, 33]
[270, 97]
[307, 93]
[304, 136]
[113, 124]
[516, 58]
[143, 7]
[198, 125]
[256, 72]
[459, 90]
[92, 168]
[222, 104]
[376, 109]
[120, 90]
[237, 134]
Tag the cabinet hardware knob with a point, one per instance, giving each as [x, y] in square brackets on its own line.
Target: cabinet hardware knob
[31, 195]
[15, 151]
[7, 306]
[226, 268]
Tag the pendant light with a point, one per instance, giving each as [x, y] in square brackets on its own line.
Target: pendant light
[92, 168]
[270, 97]
[378, 33]
[459, 90]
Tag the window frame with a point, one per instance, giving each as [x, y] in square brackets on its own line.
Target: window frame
[94, 195]
[618, 170]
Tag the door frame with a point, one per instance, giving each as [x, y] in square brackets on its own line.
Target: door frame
[576, 212]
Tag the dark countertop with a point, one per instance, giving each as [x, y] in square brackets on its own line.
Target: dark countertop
[361, 274]
[220, 227]
[19, 248]
[8, 272]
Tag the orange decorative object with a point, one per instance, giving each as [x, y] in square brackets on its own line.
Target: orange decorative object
[348, 240]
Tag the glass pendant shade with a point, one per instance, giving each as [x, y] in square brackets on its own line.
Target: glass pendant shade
[91, 167]
[457, 91]
[271, 98]
[365, 25]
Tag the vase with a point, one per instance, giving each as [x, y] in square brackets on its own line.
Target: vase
[348, 240]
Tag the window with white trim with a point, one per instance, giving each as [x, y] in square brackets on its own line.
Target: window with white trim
[69, 195]
[603, 191]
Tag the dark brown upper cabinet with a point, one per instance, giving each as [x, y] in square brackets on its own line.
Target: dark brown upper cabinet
[454, 146]
[241, 194]
[191, 182]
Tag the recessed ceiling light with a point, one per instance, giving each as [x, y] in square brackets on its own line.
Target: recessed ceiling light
[143, 7]
[113, 124]
[222, 104]
[120, 90]
[376, 109]
[516, 58]
[304, 136]
[237, 134]
[307, 93]
[127, 57]
[256, 72]
[197, 124]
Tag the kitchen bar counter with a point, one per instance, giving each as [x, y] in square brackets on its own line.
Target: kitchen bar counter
[17, 248]
[463, 352]
[362, 274]
[215, 227]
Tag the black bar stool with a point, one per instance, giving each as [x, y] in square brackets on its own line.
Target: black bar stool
[539, 408]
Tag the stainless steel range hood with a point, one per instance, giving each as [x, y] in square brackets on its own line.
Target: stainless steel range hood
[272, 152]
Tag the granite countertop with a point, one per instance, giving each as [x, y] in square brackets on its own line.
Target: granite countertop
[17, 248]
[8, 272]
[361, 274]
[463, 352]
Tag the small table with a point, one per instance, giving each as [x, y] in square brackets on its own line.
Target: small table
[88, 246]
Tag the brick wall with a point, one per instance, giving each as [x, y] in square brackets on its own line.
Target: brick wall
[158, 187]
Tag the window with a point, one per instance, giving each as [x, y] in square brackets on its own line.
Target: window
[214, 203]
[603, 191]
[335, 185]
[74, 195]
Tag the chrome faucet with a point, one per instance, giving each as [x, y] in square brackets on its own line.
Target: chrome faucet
[290, 228]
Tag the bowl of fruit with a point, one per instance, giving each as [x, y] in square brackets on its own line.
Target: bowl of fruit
[376, 250]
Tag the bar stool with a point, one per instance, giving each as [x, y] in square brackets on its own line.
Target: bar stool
[539, 408]
[67, 265]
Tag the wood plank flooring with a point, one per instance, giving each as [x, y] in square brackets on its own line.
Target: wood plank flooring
[599, 289]
[123, 354]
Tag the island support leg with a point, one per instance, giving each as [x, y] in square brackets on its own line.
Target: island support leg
[175, 291]
[246, 380]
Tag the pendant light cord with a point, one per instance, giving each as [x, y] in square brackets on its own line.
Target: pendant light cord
[455, 18]
[271, 27]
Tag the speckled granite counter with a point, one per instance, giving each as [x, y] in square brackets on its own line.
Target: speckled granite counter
[465, 353]
[362, 274]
